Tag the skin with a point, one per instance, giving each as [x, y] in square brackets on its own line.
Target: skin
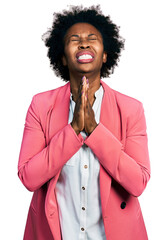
[85, 76]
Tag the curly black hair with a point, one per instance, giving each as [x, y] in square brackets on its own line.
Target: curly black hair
[54, 37]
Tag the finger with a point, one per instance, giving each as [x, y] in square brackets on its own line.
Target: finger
[86, 92]
[87, 81]
[81, 86]
[83, 96]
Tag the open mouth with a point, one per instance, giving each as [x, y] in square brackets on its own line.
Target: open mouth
[85, 57]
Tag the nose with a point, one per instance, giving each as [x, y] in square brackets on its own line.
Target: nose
[83, 44]
[83, 47]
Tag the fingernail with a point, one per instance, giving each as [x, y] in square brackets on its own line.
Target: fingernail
[82, 92]
[87, 81]
[83, 78]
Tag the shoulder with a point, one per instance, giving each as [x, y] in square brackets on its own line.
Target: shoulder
[47, 99]
[125, 101]
[127, 105]
[49, 95]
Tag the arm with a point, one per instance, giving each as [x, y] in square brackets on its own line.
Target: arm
[130, 166]
[37, 162]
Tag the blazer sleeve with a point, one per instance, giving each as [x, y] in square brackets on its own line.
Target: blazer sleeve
[39, 162]
[129, 165]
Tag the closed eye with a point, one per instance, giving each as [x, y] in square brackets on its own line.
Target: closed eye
[92, 38]
[74, 40]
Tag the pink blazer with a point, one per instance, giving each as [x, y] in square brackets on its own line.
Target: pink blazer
[120, 144]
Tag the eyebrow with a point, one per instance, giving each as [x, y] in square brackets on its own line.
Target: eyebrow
[92, 34]
[74, 35]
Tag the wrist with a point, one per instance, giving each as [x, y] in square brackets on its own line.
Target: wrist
[93, 128]
[75, 128]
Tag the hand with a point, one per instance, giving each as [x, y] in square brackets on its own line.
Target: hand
[78, 117]
[89, 116]
[83, 118]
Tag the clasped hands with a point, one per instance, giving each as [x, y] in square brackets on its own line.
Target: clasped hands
[84, 117]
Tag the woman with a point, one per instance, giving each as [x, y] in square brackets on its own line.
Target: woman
[84, 151]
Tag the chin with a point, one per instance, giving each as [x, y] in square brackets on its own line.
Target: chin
[87, 69]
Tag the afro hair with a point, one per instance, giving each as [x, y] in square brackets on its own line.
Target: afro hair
[54, 37]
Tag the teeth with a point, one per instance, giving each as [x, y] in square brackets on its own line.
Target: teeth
[85, 56]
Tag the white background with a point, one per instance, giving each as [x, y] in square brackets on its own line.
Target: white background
[25, 71]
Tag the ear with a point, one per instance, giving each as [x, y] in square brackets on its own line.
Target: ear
[104, 57]
[64, 61]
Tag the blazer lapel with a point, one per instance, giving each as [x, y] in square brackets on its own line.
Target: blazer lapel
[60, 111]
[57, 119]
[109, 117]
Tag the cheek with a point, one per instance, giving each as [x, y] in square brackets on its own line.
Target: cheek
[100, 49]
[69, 53]
[70, 58]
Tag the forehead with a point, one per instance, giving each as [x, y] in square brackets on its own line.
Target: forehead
[83, 28]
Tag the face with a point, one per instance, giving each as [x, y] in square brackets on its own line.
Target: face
[83, 49]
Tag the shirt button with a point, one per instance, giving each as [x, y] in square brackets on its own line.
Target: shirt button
[123, 205]
[82, 229]
[83, 208]
[83, 188]
[85, 166]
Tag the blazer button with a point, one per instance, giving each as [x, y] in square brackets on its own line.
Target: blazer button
[123, 205]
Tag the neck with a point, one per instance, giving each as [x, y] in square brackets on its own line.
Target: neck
[94, 84]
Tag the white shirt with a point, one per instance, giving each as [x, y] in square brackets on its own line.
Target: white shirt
[77, 189]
